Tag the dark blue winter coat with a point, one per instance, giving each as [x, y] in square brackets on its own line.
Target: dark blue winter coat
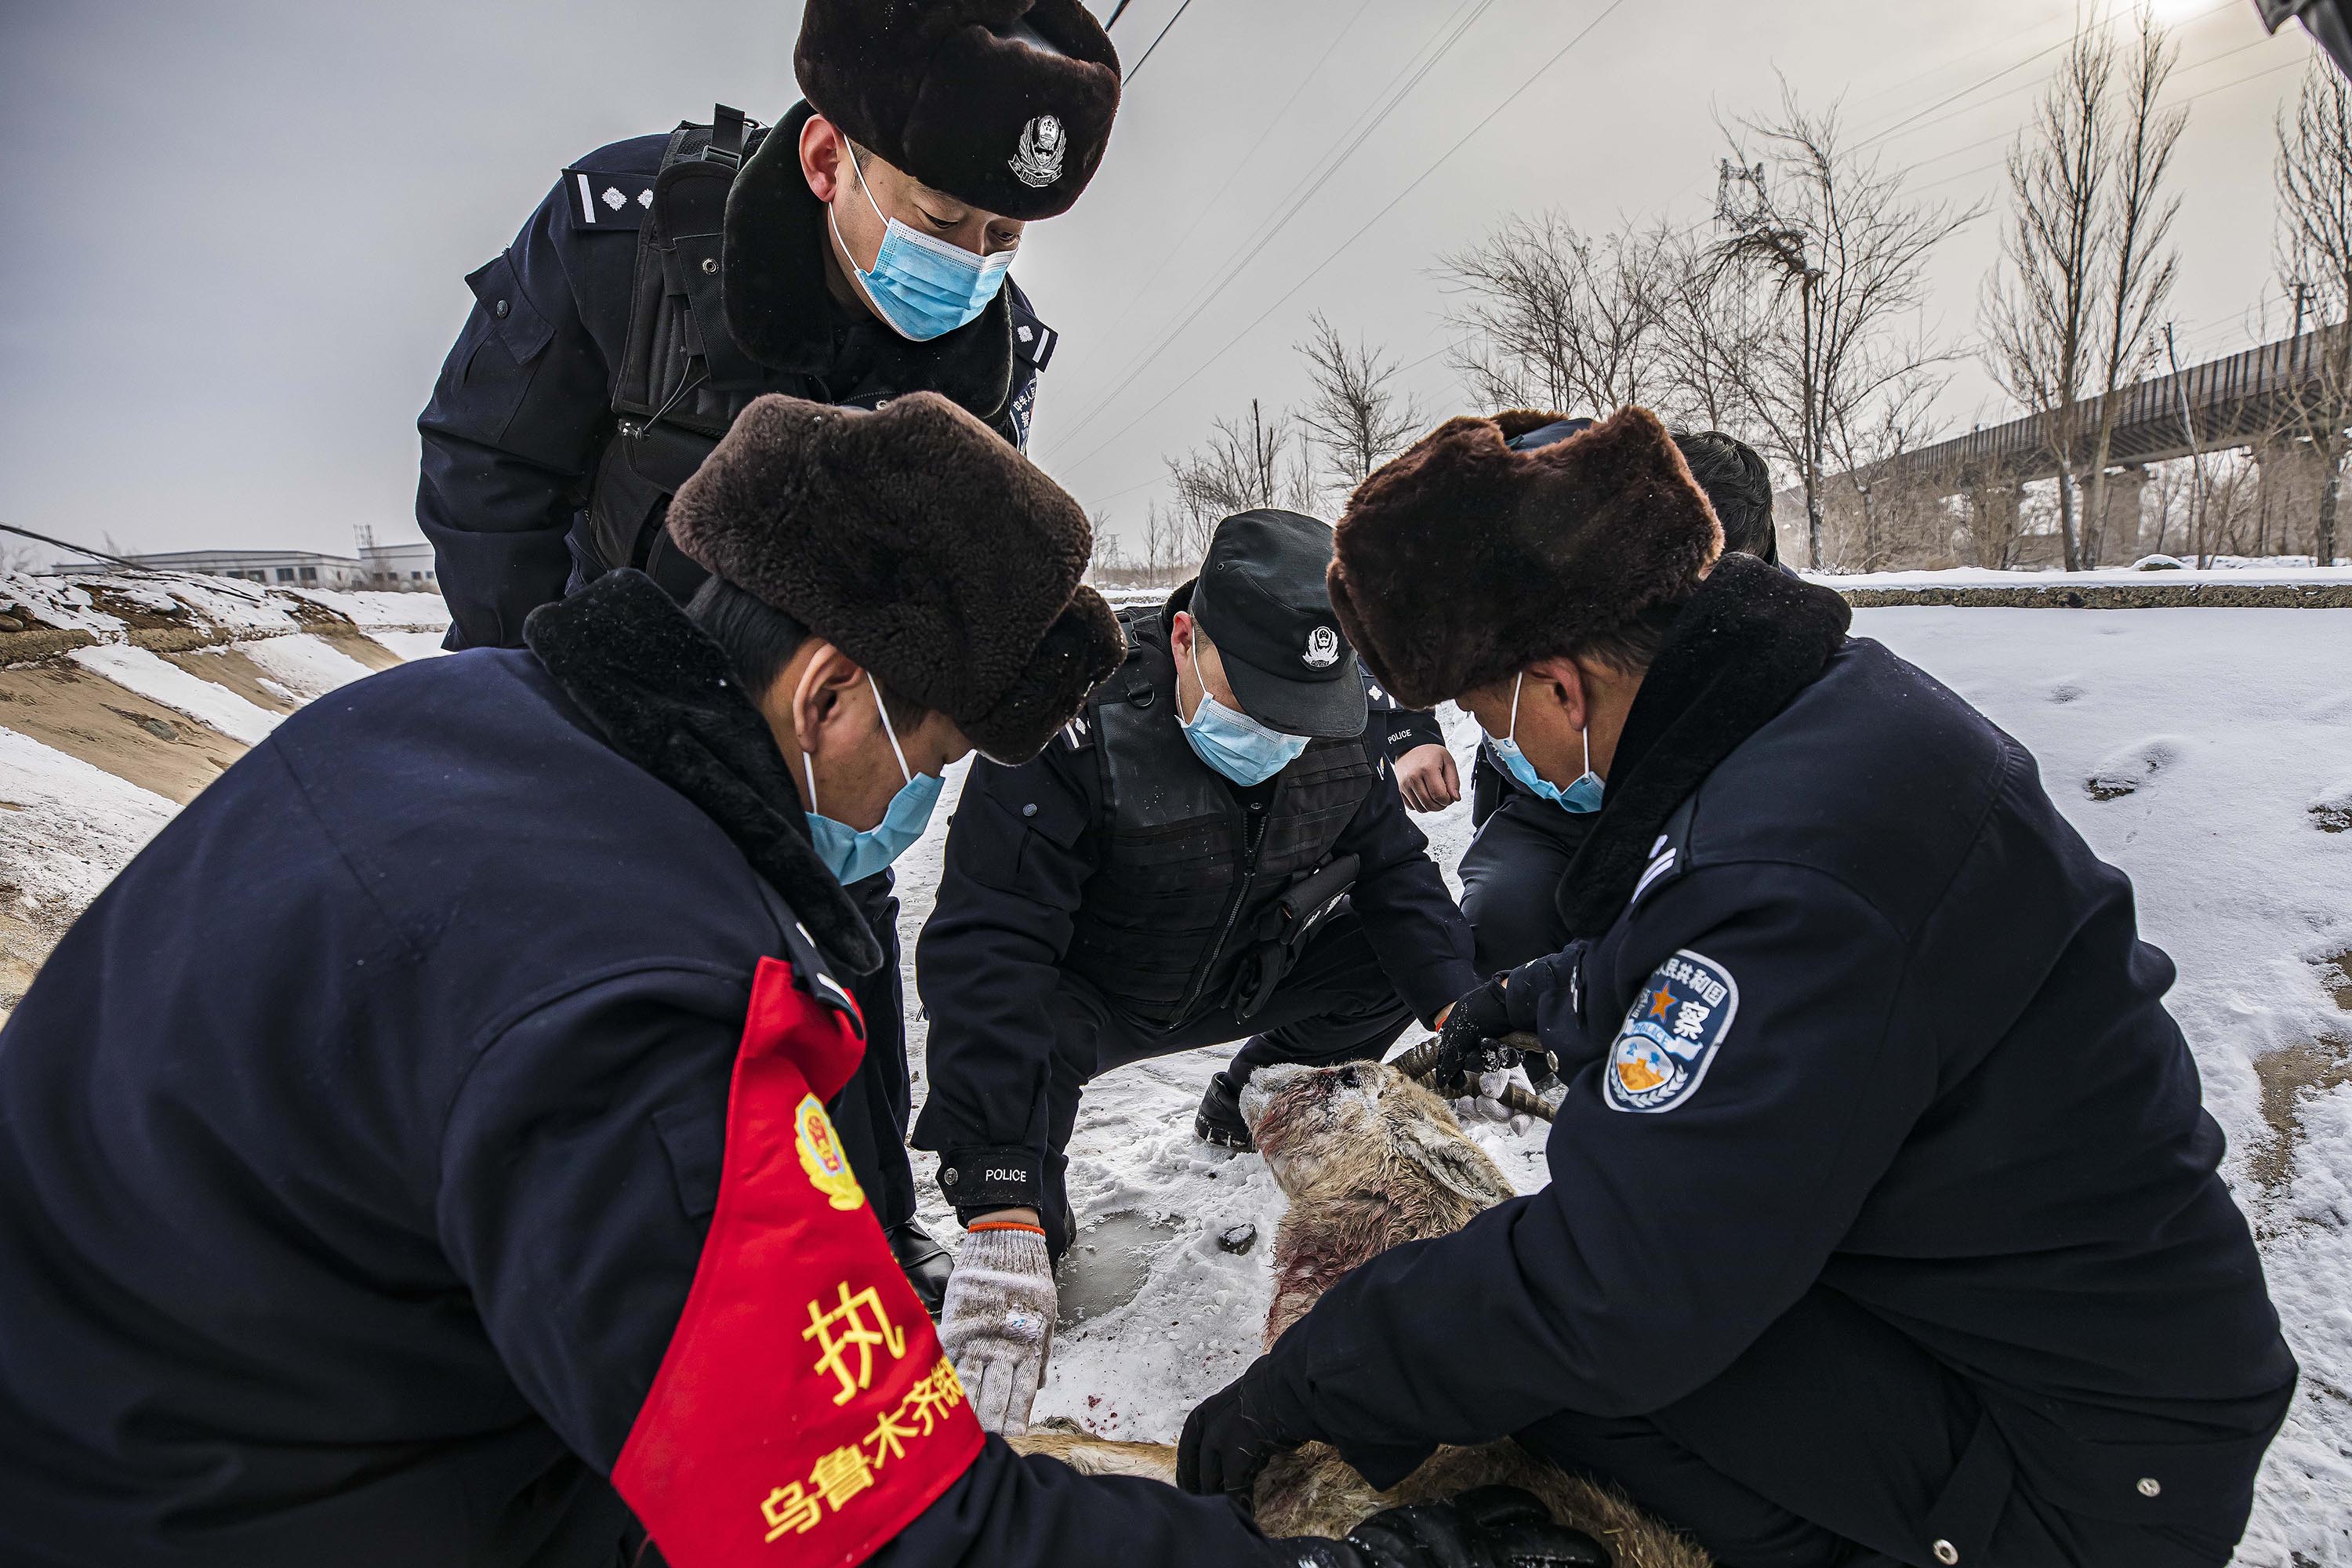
[524, 407]
[1023, 882]
[1853, 1007]
[358, 1144]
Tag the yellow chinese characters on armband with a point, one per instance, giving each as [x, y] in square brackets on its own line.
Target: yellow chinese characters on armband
[803, 1401]
[821, 1156]
[840, 1474]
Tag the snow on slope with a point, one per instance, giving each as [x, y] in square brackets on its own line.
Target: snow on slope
[2228, 727]
[161, 680]
[66, 826]
[305, 666]
[409, 644]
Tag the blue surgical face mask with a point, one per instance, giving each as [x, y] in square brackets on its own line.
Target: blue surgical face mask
[923, 285]
[852, 856]
[1233, 743]
[1583, 796]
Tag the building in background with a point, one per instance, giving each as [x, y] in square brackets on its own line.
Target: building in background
[279, 568]
[407, 568]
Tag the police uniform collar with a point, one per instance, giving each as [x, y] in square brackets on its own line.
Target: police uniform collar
[664, 696]
[1739, 651]
[780, 312]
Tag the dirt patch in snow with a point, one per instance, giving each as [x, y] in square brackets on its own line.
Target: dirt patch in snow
[2292, 1076]
[28, 929]
[357, 645]
[124, 733]
[229, 668]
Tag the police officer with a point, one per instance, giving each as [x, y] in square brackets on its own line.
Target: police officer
[1882, 1223]
[1212, 850]
[857, 251]
[418, 1155]
[1528, 832]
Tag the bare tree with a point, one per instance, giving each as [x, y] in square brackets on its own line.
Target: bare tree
[2140, 264]
[1553, 319]
[2315, 188]
[1894, 516]
[1841, 253]
[2041, 310]
[1111, 565]
[1246, 463]
[1357, 414]
[1709, 325]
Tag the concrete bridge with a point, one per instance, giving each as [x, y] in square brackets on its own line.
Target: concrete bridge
[2269, 398]
[2269, 395]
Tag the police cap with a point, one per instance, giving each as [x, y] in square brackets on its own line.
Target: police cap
[1261, 598]
[1005, 104]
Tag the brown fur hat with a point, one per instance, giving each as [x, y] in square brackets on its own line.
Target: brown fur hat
[1462, 560]
[1005, 103]
[919, 542]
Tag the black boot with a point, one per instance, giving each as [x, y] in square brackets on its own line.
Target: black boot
[1219, 1120]
[927, 1262]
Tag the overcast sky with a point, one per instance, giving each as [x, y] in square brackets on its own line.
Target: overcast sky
[238, 228]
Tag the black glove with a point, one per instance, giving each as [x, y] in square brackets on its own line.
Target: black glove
[1471, 1042]
[1493, 1527]
[1230, 1437]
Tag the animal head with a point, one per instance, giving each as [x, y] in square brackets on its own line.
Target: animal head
[1363, 1127]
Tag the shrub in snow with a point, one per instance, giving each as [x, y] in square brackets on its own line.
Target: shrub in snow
[2331, 808]
[2124, 772]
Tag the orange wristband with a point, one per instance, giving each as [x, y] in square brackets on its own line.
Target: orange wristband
[1005, 1224]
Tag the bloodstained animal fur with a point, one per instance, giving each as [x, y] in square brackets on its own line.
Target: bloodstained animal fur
[1369, 1158]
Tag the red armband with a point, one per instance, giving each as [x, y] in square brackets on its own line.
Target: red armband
[804, 1413]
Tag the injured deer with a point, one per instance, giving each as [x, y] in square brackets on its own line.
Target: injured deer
[1370, 1159]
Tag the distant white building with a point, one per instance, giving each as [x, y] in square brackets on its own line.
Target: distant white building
[406, 567]
[279, 568]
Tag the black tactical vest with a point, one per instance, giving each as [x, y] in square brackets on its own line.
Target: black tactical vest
[683, 377]
[1180, 899]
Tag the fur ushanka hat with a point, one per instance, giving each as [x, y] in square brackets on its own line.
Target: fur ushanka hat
[1461, 560]
[919, 542]
[1006, 104]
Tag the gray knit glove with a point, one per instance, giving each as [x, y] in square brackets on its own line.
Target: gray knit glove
[998, 1324]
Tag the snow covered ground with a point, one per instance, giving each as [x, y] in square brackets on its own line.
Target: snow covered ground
[2220, 742]
[2229, 569]
[2208, 752]
[76, 803]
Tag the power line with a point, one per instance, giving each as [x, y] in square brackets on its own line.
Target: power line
[1893, 87]
[2007, 135]
[80, 549]
[2028, 86]
[1917, 122]
[1912, 119]
[1608, 11]
[1117, 12]
[1168, 255]
[1309, 185]
[2178, 103]
[1138, 65]
[1399, 87]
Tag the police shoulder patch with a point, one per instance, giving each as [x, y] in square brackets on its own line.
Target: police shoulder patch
[1677, 1021]
[608, 203]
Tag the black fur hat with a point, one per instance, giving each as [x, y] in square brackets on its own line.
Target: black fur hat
[1462, 560]
[1006, 104]
[919, 542]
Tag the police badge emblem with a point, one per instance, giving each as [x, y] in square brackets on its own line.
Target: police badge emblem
[1322, 648]
[821, 1156]
[1671, 1034]
[1038, 163]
